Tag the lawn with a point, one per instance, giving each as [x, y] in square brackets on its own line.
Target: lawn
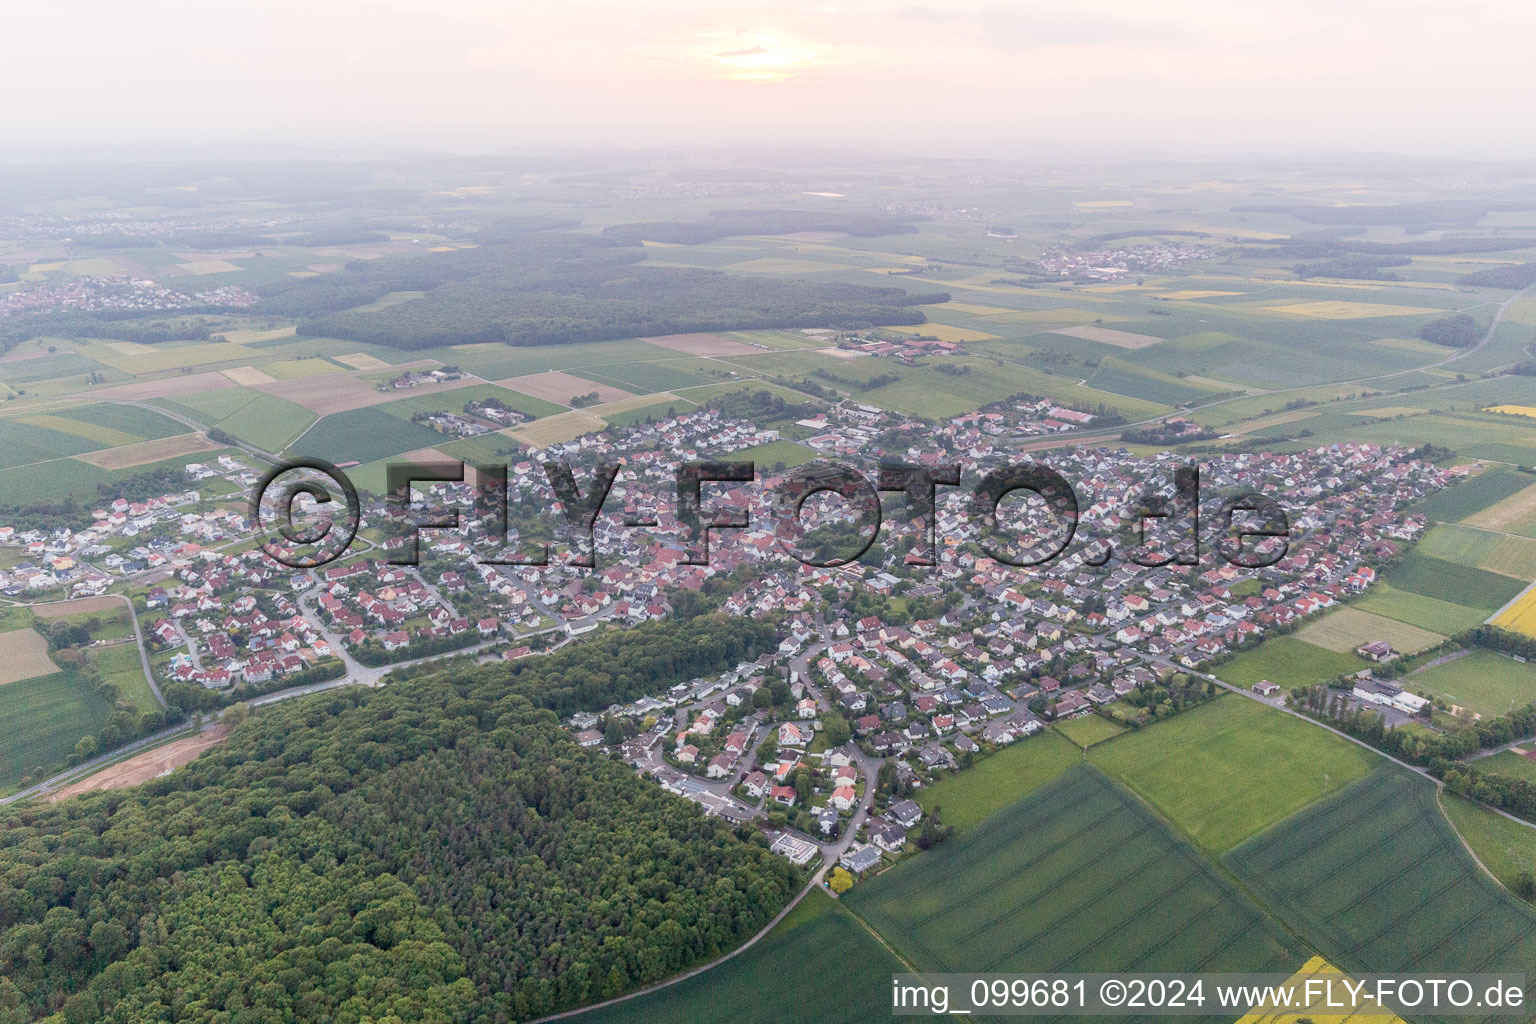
[995, 781]
[1377, 880]
[1230, 768]
[1290, 663]
[851, 989]
[1078, 876]
[1508, 764]
[1505, 847]
[1483, 681]
[120, 665]
[769, 455]
[1088, 730]
[45, 718]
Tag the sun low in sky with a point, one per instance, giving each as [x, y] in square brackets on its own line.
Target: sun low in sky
[764, 58]
[936, 77]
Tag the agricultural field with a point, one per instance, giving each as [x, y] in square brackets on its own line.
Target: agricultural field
[1515, 514]
[1456, 584]
[1345, 629]
[454, 401]
[654, 411]
[57, 710]
[1289, 662]
[364, 435]
[1078, 876]
[997, 780]
[1520, 616]
[42, 437]
[1325, 872]
[24, 655]
[734, 992]
[1484, 681]
[1514, 557]
[1231, 767]
[555, 429]
[1427, 613]
[1088, 730]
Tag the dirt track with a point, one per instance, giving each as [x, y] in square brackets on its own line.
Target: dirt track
[146, 766]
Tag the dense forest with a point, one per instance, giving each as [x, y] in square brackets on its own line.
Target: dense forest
[436, 850]
[726, 223]
[550, 288]
[1513, 275]
[1456, 331]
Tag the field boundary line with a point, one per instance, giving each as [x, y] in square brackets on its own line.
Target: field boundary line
[1440, 804]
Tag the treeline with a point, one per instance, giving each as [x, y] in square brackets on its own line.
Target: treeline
[726, 223]
[761, 407]
[619, 666]
[1358, 266]
[439, 852]
[1512, 275]
[558, 290]
[1457, 331]
[1421, 216]
[105, 324]
[1312, 246]
[76, 513]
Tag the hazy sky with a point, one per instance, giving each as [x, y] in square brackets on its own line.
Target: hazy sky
[1404, 75]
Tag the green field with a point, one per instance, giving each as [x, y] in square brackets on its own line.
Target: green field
[45, 717]
[1229, 768]
[24, 443]
[120, 665]
[1377, 880]
[659, 411]
[1418, 610]
[1505, 847]
[1088, 730]
[1420, 573]
[266, 421]
[997, 780]
[455, 400]
[1509, 556]
[749, 989]
[1078, 876]
[1290, 663]
[364, 435]
[1508, 764]
[1464, 499]
[769, 455]
[1483, 681]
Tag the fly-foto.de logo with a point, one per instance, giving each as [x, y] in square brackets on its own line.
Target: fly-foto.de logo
[293, 505]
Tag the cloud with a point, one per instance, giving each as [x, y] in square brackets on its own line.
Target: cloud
[750, 51]
[1012, 27]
